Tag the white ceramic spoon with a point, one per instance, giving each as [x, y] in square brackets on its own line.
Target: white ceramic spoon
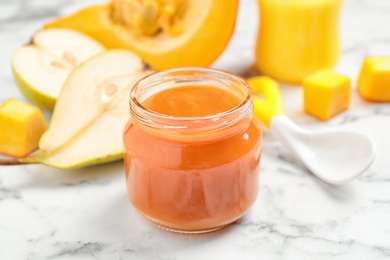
[335, 156]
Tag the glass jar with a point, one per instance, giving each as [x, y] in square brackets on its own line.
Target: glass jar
[192, 174]
[297, 37]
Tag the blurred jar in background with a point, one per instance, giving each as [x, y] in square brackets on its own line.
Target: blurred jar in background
[297, 37]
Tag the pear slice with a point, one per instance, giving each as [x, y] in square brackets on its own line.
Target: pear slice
[91, 112]
[41, 68]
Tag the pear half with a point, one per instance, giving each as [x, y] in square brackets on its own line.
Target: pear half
[41, 68]
[90, 114]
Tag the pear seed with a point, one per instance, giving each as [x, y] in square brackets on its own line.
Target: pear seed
[57, 64]
[69, 57]
[111, 89]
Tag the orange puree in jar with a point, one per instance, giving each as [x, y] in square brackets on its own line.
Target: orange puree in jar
[192, 101]
[192, 151]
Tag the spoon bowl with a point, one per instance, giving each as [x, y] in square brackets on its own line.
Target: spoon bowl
[335, 156]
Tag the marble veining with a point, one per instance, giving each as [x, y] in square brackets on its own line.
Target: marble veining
[84, 214]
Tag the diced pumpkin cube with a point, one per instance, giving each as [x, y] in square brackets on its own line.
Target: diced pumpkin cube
[21, 126]
[374, 79]
[326, 94]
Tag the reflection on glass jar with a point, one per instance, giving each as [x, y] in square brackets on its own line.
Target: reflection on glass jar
[192, 149]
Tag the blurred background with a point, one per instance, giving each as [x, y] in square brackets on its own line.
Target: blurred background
[360, 33]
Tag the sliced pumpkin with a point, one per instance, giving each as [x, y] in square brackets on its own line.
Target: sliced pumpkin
[165, 33]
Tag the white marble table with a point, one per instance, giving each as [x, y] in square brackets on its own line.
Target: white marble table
[85, 214]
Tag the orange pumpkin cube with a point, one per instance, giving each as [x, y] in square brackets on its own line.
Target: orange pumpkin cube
[21, 126]
[326, 94]
[374, 79]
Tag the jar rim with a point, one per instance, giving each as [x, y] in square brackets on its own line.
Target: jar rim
[146, 116]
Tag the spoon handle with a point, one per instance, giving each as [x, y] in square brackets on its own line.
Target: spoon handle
[289, 134]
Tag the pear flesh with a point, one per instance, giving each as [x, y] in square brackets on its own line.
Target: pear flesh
[41, 68]
[90, 114]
